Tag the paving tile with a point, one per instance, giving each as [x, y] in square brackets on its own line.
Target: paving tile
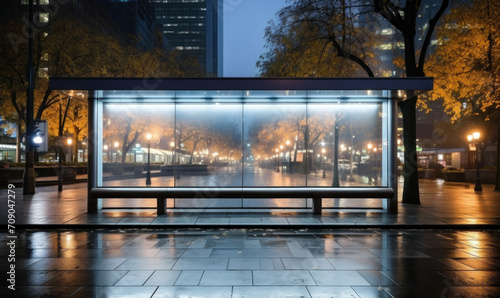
[213, 221]
[338, 278]
[208, 292]
[63, 264]
[301, 253]
[108, 263]
[189, 278]
[267, 291]
[87, 278]
[267, 263]
[417, 278]
[163, 278]
[170, 252]
[201, 264]
[329, 292]
[267, 252]
[36, 278]
[147, 264]
[244, 263]
[355, 264]
[376, 278]
[125, 292]
[40, 291]
[371, 292]
[227, 252]
[135, 278]
[227, 278]
[306, 263]
[197, 253]
[282, 278]
[130, 253]
[472, 278]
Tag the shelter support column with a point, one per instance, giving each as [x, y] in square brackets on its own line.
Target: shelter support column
[391, 204]
[93, 204]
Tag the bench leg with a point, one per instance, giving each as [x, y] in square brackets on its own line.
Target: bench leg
[93, 205]
[317, 205]
[161, 205]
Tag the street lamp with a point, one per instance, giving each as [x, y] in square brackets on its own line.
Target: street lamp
[116, 144]
[277, 160]
[172, 145]
[474, 139]
[289, 156]
[323, 151]
[84, 148]
[105, 148]
[178, 176]
[69, 142]
[148, 172]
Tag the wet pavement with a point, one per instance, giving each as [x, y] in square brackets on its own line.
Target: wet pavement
[449, 246]
[443, 205]
[255, 263]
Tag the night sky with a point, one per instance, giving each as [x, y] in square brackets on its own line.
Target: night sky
[244, 24]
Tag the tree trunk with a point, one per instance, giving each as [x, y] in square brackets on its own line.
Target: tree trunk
[336, 182]
[497, 182]
[411, 193]
[18, 139]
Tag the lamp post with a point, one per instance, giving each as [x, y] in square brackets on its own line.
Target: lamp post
[148, 172]
[289, 156]
[84, 149]
[69, 142]
[323, 151]
[281, 158]
[116, 144]
[175, 173]
[172, 145]
[277, 160]
[474, 139]
[105, 148]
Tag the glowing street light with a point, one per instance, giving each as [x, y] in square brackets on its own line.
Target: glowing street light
[116, 144]
[474, 139]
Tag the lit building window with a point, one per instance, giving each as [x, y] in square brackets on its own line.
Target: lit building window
[386, 46]
[43, 17]
[387, 32]
[43, 73]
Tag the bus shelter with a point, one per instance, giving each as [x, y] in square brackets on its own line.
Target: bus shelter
[268, 137]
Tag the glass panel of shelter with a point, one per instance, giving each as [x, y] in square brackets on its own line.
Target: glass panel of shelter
[242, 144]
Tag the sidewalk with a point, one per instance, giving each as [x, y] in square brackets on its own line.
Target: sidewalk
[446, 247]
[443, 205]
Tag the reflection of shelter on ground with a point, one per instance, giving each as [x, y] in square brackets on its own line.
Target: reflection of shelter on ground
[244, 132]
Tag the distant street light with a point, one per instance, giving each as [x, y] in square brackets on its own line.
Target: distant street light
[474, 139]
[69, 142]
[148, 172]
[105, 148]
[84, 149]
[116, 144]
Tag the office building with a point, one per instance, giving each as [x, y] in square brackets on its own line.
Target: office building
[194, 28]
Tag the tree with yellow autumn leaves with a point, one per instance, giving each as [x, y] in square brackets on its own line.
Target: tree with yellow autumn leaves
[466, 67]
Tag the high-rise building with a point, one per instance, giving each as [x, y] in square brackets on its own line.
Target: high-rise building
[136, 19]
[194, 28]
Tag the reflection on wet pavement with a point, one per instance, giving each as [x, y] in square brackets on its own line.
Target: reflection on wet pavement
[239, 262]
